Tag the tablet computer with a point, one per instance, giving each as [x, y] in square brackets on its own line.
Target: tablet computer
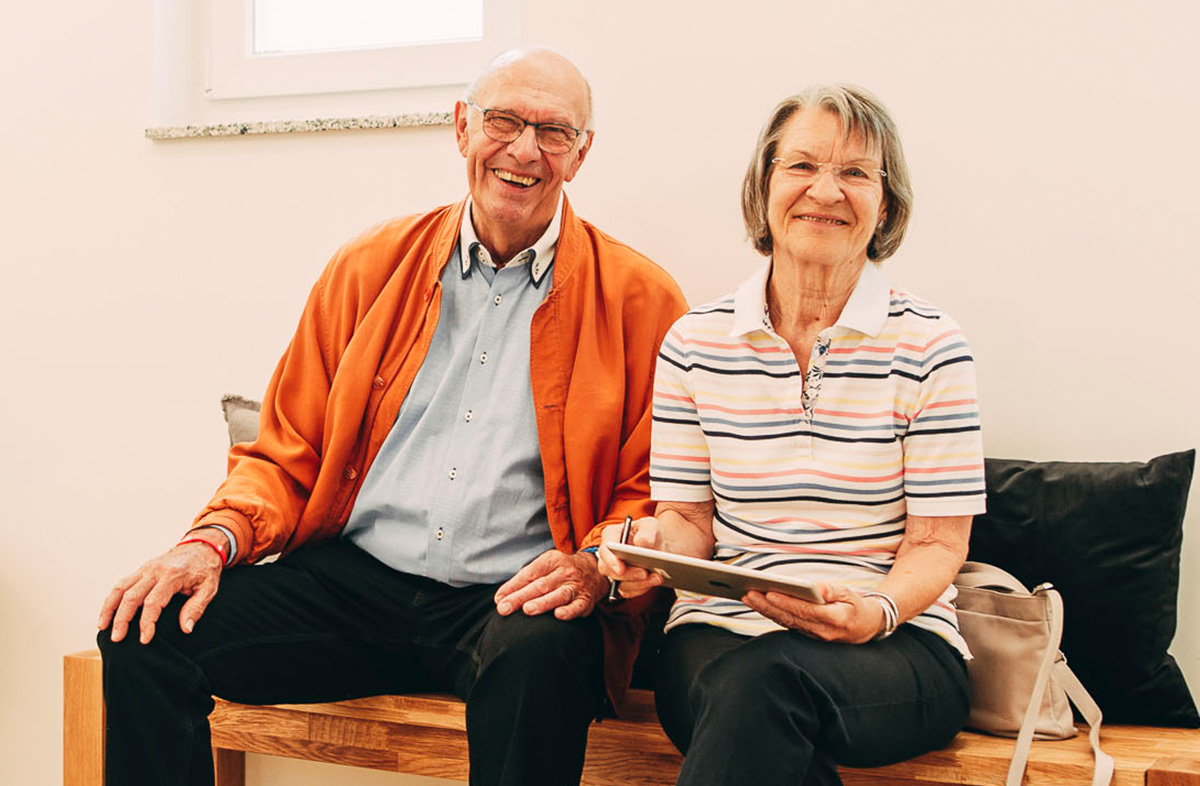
[712, 578]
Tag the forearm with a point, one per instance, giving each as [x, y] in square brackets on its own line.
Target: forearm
[928, 559]
[686, 528]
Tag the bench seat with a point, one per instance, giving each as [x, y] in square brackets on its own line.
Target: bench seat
[425, 734]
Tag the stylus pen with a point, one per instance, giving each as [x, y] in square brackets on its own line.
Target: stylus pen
[615, 585]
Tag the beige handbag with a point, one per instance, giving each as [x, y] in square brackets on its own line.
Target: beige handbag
[1021, 685]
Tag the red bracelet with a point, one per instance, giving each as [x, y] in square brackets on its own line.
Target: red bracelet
[220, 551]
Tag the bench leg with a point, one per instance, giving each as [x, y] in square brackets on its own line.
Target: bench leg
[83, 720]
[229, 767]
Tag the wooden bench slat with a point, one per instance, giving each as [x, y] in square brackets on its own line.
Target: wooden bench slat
[615, 766]
[438, 753]
[357, 733]
[268, 721]
[1174, 771]
[251, 742]
[426, 709]
[425, 734]
[865, 778]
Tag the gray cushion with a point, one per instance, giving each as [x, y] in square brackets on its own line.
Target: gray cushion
[242, 416]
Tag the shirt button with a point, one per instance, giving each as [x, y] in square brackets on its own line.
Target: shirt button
[453, 473]
[349, 473]
[377, 383]
[469, 416]
[483, 358]
[441, 533]
[497, 299]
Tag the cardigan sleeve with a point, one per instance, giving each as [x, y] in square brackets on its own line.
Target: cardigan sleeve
[269, 480]
[648, 315]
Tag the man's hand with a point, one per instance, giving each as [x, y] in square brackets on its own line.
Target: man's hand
[845, 616]
[192, 569]
[570, 584]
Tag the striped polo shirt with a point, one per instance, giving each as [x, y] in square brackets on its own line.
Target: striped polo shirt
[812, 475]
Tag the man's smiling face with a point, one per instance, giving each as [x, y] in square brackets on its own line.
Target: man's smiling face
[515, 186]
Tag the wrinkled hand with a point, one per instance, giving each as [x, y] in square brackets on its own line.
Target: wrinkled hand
[191, 569]
[846, 616]
[635, 581]
[569, 584]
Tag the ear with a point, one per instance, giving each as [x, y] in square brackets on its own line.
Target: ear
[582, 154]
[460, 126]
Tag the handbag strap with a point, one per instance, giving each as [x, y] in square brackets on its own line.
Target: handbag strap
[1016, 767]
[1053, 661]
[1102, 775]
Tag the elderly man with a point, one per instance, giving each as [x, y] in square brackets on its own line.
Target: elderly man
[464, 405]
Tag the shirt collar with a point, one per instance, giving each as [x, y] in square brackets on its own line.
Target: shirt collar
[539, 256]
[865, 311]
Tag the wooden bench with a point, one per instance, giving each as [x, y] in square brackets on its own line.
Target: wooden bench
[426, 735]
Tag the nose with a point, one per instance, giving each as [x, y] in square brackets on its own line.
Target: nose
[525, 147]
[825, 187]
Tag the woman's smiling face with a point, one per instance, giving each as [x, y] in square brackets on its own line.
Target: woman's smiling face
[823, 220]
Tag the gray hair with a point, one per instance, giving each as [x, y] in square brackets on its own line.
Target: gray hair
[505, 59]
[860, 112]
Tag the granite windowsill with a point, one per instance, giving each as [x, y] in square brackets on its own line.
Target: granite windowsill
[409, 120]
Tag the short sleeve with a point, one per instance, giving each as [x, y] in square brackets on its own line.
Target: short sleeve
[943, 446]
[679, 457]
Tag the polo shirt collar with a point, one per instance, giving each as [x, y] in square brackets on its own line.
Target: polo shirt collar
[866, 310]
[539, 256]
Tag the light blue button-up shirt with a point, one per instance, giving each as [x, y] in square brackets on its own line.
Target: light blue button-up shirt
[456, 492]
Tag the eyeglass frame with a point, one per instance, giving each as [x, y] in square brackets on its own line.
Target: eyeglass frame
[579, 132]
[836, 169]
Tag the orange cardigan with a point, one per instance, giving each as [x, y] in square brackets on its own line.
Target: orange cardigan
[363, 335]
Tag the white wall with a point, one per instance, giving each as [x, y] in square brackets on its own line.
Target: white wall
[1053, 153]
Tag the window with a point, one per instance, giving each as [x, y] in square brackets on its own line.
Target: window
[231, 67]
[297, 26]
[290, 47]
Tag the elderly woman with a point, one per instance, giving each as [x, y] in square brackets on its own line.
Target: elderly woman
[821, 423]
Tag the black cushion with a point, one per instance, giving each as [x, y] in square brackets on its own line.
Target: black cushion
[1108, 536]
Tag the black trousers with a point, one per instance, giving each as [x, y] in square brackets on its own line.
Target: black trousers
[785, 709]
[329, 623]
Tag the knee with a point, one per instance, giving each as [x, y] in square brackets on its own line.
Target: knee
[751, 685]
[115, 651]
[542, 646]
[543, 639]
[724, 689]
[130, 648]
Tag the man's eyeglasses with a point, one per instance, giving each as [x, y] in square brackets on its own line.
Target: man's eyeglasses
[556, 138]
[846, 175]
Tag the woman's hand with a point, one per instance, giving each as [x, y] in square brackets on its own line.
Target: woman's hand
[845, 616]
[929, 556]
[635, 581]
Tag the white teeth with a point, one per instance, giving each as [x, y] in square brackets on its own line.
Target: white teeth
[514, 178]
[818, 220]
